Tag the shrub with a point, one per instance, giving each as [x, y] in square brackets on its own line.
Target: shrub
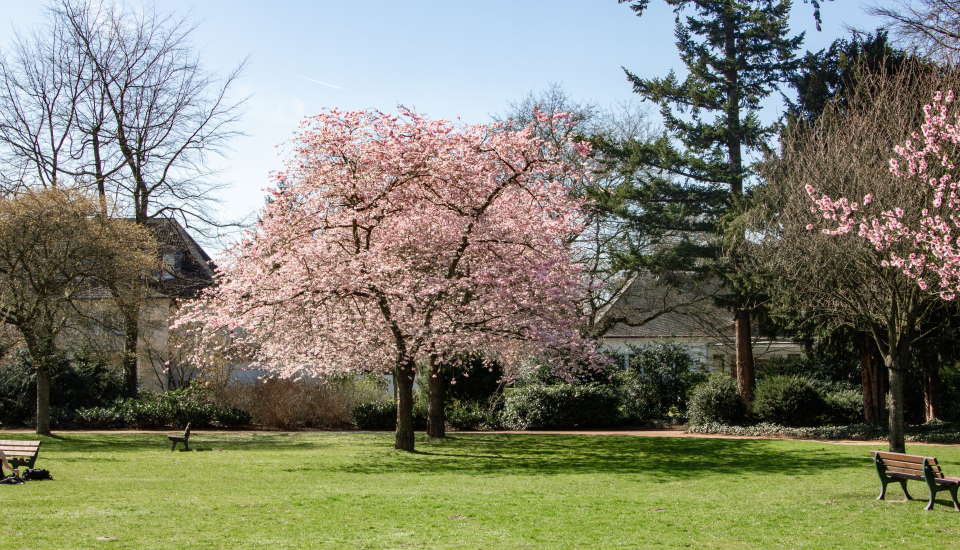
[843, 406]
[79, 383]
[294, 404]
[469, 415]
[788, 400]
[375, 415]
[716, 401]
[100, 417]
[382, 415]
[560, 406]
[657, 382]
[175, 408]
[476, 379]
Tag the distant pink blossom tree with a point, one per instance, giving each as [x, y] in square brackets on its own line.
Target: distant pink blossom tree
[922, 245]
[393, 242]
[913, 228]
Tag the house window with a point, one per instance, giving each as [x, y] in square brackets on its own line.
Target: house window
[169, 265]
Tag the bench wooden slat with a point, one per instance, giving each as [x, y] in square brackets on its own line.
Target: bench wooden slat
[901, 464]
[915, 459]
[905, 471]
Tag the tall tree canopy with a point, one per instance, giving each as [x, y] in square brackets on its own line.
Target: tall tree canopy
[736, 54]
[395, 243]
[55, 249]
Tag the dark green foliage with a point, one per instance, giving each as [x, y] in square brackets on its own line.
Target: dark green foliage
[657, 382]
[560, 406]
[843, 406]
[476, 379]
[190, 405]
[375, 415]
[382, 415]
[716, 401]
[788, 400]
[472, 415]
[828, 76]
[79, 383]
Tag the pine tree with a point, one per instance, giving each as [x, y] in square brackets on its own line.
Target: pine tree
[736, 53]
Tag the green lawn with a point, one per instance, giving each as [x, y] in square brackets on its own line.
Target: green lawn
[351, 490]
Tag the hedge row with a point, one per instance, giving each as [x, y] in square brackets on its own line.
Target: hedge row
[158, 410]
[929, 433]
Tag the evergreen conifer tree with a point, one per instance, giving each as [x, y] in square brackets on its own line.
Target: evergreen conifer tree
[736, 53]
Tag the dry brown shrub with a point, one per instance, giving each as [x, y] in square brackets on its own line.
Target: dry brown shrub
[297, 404]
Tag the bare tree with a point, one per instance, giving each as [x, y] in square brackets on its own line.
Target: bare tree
[117, 100]
[605, 234]
[838, 280]
[55, 249]
[930, 27]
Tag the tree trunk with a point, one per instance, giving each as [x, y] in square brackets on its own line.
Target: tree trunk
[436, 412]
[931, 388]
[873, 386]
[131, 377]
[403, 381]
[897, 360]
[43, 397]
[744, 365]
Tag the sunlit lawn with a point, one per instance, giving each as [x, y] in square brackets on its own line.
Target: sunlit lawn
[352, 490]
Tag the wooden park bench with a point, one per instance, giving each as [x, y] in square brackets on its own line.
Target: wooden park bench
[903, 467]
[14, 454]
[185, 439]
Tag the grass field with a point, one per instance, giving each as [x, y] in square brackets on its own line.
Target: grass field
[352, 490]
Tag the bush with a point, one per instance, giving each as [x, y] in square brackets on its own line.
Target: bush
[470, 415]
[294, 404]
[843, 406]
[477, 379]
[657, 383]
[560, 406]
[175, 408]
[100, 417]
[716, 401]
[375, 415]
[788, 400]
[382, 415]
[79, 383]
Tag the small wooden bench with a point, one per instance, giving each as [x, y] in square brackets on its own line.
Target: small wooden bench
[901, 467]
[15, 454]
[185, 439]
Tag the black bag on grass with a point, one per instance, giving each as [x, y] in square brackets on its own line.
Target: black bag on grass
[32, 474]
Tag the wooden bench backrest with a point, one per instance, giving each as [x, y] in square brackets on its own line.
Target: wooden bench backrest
[20, 449]
[899, 463]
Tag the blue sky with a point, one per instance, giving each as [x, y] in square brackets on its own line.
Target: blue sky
[445, 58]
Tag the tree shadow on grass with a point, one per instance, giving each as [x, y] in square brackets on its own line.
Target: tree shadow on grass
[135, 443]
[660, 457]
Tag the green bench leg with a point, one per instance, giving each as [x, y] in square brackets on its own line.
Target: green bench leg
[903, 483]
[883, 489]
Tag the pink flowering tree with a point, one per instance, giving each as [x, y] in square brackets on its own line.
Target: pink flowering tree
[393, 243]
[831, 239]
[913, 236]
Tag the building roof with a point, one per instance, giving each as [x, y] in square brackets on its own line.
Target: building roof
[185, 267]
[647, 306]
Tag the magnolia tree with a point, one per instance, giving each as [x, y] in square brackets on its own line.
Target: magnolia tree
[818, 253]
[392, 243]
[918, 240]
